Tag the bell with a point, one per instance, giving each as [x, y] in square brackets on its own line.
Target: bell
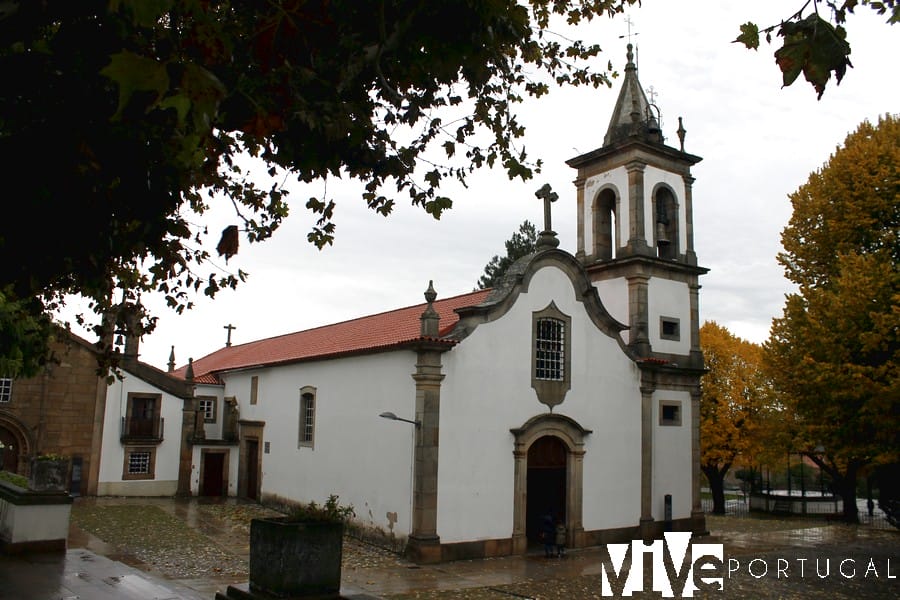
[662, 237]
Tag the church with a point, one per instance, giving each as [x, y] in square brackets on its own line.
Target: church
[453, 425]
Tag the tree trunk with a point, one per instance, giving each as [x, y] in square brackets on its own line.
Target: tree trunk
[844, 484]
[716, 478]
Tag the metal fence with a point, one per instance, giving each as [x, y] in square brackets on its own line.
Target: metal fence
[738, 505]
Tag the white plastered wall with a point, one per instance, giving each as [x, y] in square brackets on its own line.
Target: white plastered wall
[112, 459]
[672, 458]
[614, 295]
[667, 298]
[487, 391]
[364, 459]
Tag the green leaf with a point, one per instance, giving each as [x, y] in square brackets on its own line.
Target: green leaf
[749, 35]
[132, 73]
[181, 104]
[814, 47]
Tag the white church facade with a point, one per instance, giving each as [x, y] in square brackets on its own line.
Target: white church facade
[571, 387]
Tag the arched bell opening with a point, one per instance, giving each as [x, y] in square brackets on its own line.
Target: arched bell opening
[665, 220]
[604, 225]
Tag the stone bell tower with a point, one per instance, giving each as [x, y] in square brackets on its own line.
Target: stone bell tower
[635, 228]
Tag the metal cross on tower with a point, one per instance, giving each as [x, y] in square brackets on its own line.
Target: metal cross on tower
[230, 328]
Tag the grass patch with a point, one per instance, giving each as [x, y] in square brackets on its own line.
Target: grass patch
[14, 479]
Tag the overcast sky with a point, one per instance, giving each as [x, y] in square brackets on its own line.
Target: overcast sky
[759, 143]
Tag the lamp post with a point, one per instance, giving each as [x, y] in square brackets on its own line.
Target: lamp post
[391, 416]
[412, 462]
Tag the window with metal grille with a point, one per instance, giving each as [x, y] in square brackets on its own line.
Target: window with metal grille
[5, 389]
[307, 418]
[139, 463]
[550, 344]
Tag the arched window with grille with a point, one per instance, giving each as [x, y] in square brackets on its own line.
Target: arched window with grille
[550, 354]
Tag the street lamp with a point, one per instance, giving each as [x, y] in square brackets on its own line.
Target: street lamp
[393, 417]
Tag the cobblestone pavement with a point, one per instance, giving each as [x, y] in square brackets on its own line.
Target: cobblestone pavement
[205, 546]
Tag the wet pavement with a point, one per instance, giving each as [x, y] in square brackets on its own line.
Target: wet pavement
[165, 549]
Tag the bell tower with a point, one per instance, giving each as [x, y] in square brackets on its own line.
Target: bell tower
[635, 228]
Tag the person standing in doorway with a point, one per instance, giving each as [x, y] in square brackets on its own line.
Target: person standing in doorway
[560, 535]
[548, 533]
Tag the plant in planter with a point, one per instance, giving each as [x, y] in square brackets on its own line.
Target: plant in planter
[49, 473]
[300, 554]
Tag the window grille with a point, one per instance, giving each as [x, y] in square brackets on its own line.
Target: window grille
[307, 418]
[139, 463]
[550, 350]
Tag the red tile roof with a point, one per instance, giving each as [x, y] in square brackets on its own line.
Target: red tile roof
[365, 334]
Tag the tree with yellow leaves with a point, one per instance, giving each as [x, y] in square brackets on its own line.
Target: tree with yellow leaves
[833, 355]
[733, 406]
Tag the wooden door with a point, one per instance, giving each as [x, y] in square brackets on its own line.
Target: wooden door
[252, 469]
[213, 474]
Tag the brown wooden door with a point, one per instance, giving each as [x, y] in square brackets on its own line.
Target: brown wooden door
[10, 452]
[213, 474]
[143, 416]
[252, 469]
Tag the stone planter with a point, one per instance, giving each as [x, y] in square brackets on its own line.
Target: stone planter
[49, 475]
[292, 559]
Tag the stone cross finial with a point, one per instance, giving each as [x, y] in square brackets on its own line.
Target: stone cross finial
[230, 328]
[547, 238]
[548, 196]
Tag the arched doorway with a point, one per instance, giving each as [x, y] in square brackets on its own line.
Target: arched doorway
[546, 484]
[10, 451]
[17, 443]
[539, 444]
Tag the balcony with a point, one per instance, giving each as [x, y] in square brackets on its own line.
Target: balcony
[141, 431]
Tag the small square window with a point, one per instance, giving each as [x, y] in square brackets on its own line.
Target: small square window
[139, 463]
[208, 408]
[670, 413]
[670, 328]
[5, 389]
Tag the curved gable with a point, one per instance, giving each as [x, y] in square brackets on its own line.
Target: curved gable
[518, 280]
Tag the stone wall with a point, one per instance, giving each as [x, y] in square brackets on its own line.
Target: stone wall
[60, 411]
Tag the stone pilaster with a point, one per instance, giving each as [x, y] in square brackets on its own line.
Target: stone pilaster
[520, 492]
[579, 203]
[696, 352]
[698, 517]
[646, 526]
[424, 542]
[574, 496]
[690, 254]
[638, 314]
[188, 423]
[637, 233]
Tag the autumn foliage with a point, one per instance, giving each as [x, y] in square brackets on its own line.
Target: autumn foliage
[734, 406]
[833, 354]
